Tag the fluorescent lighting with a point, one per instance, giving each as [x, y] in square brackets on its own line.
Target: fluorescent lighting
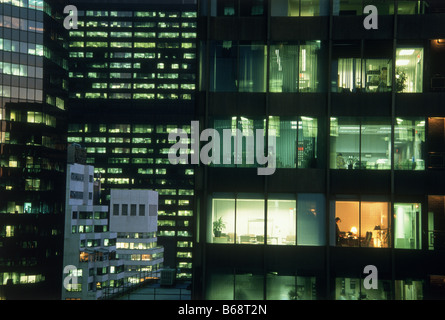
[402, 62]
[406, 52]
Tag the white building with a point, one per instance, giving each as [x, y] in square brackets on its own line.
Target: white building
[134, 216]
[91, 270]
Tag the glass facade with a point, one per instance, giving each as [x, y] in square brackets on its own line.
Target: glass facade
[150, 54]
[290, 220]
[136, 155]
[297, 67]
[360, 143]
[33, 95]
[362, 224]
[299, 8]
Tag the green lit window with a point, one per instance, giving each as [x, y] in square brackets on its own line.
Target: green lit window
[161, 171]
[185, 192]
[76, 44]
[96, 44]
[145, 171]
[144, 45]
[91, 24]
[120, 34]
[144, 24]
[168, 35]
[188, 86]
[187, 45]
[168, 75]
[189, 35]
[95, 95]
[146, 55]
[91, 13]
[122, 55]
[141, 140]
[120, 44]
[190, 14]
[121, 14]
[143, 96]
[97, 34]
[145, 34]
[189, 56]
[99, 85]
[188, 25]
[150, 14]
[77, 33]
[74, 54]
[125, 65]
[409, 69]
[114, 170]
[409, 135]
[143, 86]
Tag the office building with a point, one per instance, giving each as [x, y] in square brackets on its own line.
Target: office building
[91, 268]
[134, 216]
[33, 99]
[132, 81]
[354, 118]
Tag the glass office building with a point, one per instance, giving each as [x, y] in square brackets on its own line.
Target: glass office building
[132, 81]
[355, 121]
[33, 100]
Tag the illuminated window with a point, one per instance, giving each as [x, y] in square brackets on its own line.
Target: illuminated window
[360, 143]
[407, 225]
[409, 69]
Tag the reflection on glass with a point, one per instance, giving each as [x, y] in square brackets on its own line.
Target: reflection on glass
[405, 7]
[296, 141]
[309, 66]
[296, 68]
[223, 66]
[407, 225]
[285, 132]
[280, 287]
[238, 141]
[252, 67]
[311, 219]
[409, 143]
[354, 289]
[436, 222]
[219, 286]
[408, 290]
[249, 286]
[409, 69]
[283, 74]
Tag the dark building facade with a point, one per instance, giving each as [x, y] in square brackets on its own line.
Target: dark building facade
[132, 81]
[354, 119]
[33, 96]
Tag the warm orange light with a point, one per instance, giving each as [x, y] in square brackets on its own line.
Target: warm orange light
[354, 230]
